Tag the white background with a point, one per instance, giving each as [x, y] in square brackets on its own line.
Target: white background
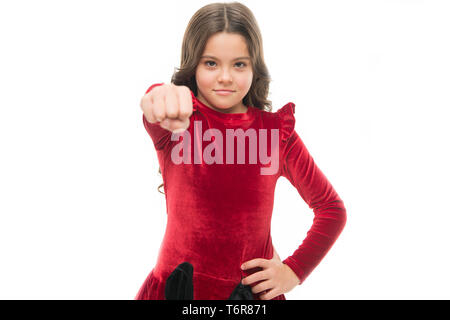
[81, 217]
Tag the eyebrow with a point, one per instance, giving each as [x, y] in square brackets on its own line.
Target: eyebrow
[239, 58]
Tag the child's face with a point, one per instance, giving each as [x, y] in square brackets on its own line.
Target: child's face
[224, 72]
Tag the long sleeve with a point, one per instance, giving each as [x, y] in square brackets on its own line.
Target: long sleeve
[159, 135]
[329, 212]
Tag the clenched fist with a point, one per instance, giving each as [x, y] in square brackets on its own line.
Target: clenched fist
[170, 105]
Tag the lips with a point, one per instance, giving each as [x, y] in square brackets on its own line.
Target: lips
[223, 90]
[223, 93]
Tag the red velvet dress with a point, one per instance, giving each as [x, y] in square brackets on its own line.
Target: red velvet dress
[219, 215]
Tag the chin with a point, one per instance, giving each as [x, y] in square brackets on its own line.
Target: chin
[224, 104]
[221, 105]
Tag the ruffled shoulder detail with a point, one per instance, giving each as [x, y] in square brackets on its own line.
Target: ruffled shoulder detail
[287, 120]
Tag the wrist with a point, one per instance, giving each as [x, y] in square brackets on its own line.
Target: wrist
[293, 275]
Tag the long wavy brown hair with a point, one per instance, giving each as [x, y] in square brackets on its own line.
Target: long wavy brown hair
[233, 17]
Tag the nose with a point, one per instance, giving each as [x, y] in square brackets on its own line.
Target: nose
[225, 76]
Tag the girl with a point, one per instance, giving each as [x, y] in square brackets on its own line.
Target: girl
[219, 213]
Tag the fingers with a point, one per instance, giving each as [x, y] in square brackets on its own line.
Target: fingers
[185, 102]
[263, 286]
[175, 125]
[270, 294]
[170, 103]
[147, 106]
[255, 277]
[258, 262]
[159, 107]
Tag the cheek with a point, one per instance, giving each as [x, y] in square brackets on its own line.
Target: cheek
[204, 79]
[245, 82]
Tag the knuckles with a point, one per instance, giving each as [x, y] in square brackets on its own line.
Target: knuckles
[154, 105]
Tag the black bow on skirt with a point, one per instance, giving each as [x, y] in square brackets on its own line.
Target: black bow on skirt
[179, 285]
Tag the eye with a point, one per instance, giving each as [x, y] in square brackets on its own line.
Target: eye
[210, 61]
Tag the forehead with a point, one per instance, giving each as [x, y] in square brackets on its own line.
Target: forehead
[226, 46]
